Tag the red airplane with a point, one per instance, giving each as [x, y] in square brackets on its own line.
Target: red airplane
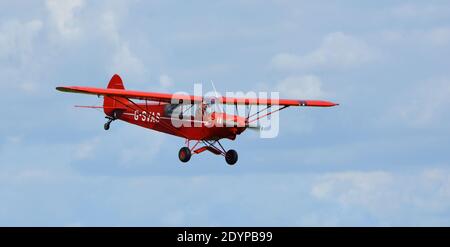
[159, 111]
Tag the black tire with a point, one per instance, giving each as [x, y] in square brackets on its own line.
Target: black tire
[231, 157]
[106, 126]
[184, 154]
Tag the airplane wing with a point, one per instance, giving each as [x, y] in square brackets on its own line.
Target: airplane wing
[280, 102]
[190, 99]
[130, 94]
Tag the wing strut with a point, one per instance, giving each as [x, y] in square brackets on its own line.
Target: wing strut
[248, 121]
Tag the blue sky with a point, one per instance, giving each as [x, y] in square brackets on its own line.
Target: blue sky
[379, 159]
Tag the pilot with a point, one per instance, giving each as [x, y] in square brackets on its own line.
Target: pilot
[201, 112]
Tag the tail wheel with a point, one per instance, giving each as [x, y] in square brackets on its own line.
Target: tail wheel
[184, 154]
[108, 123]
[231, 157]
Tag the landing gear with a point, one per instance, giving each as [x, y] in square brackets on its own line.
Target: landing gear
[231, 157]
[184, 154]
[107, 124]
[115, 115]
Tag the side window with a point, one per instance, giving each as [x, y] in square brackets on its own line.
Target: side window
[209, 109]
[169, 109]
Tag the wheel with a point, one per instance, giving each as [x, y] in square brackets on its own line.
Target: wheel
[231, 157]
[106, 126]
[184, 154]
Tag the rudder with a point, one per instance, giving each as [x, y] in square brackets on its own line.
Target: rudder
[109, 103]
[116, 82]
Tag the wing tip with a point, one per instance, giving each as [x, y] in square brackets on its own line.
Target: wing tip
[317, 103]
[68, 89]
[61, 89]
[331, 104]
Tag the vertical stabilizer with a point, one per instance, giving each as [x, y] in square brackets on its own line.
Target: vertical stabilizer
[109, 103]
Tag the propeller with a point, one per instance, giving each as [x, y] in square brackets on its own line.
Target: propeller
[256, 127]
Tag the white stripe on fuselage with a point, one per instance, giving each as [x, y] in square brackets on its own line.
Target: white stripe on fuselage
[168, 118]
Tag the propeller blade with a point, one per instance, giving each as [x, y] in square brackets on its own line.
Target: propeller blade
[255, 127]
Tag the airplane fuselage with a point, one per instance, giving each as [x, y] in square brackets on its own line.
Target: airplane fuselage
[156, 116]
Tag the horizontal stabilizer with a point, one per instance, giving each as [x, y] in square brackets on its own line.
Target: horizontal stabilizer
[98, 107]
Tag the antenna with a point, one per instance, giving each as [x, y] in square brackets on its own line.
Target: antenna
[214, 87]
[217, 97]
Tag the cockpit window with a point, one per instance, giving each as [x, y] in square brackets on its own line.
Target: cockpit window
[191, 110]
[209, 109]
[172, 108]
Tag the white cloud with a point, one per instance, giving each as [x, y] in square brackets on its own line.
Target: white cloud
[338, 50]
[415, 11]
[437, 36]
[348, 188]
[133, 155]
[134, 149]
[16, 40]
[15, 140]
[86, 149]
[165, 81]
[18, 43]
[357, 198]
[108, 25]
[389, 197]
[306, 87]
[62, 13]
[28, 87]
[425, 104]
[124, 61]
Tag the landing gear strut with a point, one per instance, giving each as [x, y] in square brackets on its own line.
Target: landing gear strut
[107, 124]
[111, 119]
[185, 153]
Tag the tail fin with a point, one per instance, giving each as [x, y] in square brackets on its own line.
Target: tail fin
[116, 82]
[109, 103]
